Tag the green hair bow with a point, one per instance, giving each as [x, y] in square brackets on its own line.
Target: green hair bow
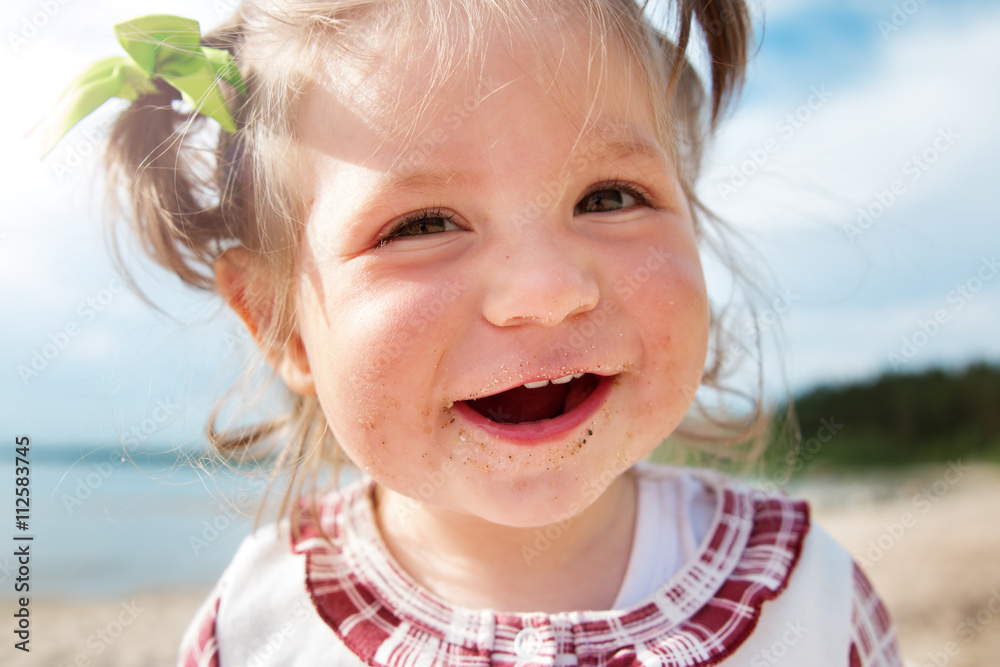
[160, 48]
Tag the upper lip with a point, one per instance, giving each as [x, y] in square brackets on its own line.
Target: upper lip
[501, 382]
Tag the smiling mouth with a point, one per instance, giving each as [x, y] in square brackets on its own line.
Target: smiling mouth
[522, 404]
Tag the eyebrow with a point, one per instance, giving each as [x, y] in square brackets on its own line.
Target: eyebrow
[431, 180]
[591, 145]
[622, 148]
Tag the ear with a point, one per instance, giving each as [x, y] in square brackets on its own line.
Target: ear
[247, 288]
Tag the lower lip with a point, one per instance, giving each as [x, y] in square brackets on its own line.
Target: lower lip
[547, 430]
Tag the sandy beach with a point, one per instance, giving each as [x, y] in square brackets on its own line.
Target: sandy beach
[141, 630]
[930, 542]
[929, 539]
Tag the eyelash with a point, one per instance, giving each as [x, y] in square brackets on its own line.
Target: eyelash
[641, 194]
[631, 188]
[416, 216]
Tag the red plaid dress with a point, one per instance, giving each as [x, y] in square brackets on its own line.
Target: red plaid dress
[763, 588]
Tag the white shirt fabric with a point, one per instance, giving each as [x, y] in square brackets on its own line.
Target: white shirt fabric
[672, 520]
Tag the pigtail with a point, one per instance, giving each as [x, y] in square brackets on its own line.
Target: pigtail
[725, 25]
[658, 34]
[693, 113]
[154, 169]
[172, 182]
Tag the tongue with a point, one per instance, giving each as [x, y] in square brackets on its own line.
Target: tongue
[521, 404]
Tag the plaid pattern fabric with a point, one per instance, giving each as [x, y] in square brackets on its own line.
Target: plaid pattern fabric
[200, 648]
[701, 616]
[873, 638]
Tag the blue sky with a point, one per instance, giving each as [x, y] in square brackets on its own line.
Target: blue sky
[879, 96]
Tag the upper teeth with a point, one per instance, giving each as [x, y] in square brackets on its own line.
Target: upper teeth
[563, 380]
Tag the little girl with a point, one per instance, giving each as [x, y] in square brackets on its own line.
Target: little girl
[464, 234]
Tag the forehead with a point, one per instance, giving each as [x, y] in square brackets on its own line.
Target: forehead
[394, 102]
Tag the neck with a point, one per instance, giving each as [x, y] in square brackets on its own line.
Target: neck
[473, 563]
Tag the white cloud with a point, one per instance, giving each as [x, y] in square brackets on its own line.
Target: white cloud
[858, 143]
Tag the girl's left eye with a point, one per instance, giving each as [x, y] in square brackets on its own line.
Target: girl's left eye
[610, 198]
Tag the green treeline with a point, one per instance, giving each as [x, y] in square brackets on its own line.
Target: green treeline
[899, 420]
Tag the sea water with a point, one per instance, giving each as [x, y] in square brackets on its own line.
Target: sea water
[107, 522]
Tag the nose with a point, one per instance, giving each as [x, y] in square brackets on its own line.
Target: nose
[542, 281]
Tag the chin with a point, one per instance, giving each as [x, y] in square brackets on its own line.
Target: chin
[552, 497]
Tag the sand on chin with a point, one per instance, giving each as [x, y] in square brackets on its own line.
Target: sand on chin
[938, 571]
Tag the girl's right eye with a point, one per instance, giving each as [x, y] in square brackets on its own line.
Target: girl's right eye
[421, 223]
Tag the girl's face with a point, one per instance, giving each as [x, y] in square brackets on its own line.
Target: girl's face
[529, 229]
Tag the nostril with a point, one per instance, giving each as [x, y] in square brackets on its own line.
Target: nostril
[522, 319]
[584, 308]
[551, 317]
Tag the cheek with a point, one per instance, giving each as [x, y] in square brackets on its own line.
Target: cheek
[684, 314]
[665, 290]
[373, 352]
[672, 310]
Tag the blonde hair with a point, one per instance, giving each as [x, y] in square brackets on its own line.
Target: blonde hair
[189, 199]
